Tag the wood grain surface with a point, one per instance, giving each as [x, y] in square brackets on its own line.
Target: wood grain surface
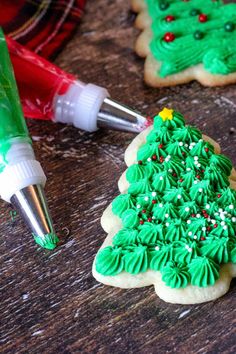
[50, 302]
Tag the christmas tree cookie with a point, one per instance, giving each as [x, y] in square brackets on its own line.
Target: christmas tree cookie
[174, 223]
[187, 40]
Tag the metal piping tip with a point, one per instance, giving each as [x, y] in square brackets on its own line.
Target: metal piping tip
[116, 116]
[31, 204]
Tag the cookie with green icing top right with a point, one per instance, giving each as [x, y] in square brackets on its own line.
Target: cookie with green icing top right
[186, 40]
[174, 224]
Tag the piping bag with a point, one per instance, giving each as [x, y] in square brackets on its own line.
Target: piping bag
[21, 176]
[47, 92]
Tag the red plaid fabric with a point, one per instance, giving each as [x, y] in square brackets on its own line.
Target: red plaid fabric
[44, 26]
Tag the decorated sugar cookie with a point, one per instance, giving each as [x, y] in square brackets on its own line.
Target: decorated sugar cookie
[187, 40]
[174, 223]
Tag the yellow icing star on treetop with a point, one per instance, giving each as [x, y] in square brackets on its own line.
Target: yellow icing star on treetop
[166, 114]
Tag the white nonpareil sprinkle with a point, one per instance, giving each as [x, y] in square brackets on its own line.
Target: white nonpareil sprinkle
[181, 143]
[188, 169]
[160, 205]
[149, 159]
[188, 221]
[195, 158]
[179, 196]
[166, 215]
[170, 170]
[213, 221]
[157, 248]
[167, 224]
[225, 227]
[207, 206]
[187, 209]
[200, 190]
[190, 233]
[146, 198]
[198, 216]
[183, 162]
[231, 206]
[195, 182]
[204, 228]
[138, 206]
[233, 219]
[190, 249]
[199, 165]
[195, 237]
[154, 194]
[161, 178]
[222, 223]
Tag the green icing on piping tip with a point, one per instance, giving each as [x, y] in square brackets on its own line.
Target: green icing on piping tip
[49, 241]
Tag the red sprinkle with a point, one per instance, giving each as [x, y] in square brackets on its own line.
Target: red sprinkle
[202, 170]
[198, 176]
[141, 222]
[169, 18]
[183, 153]
[208, 228]
[160, 146]
[203, 238]
[181, 180]
[174, 174]
[218, 195]
[140, 162]
[161, 159]
[204, 211]
[206, 149]
[149, 219]
[154, 157]
[154, 201]
[193, 215]
[202, 18]
[215, 225]
[169, 37]
[144, 211]
[205, 216]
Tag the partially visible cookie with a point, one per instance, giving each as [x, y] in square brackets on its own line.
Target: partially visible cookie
[174, 223]
[186, 40]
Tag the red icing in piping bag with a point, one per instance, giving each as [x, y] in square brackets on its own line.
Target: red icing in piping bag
[47, 92]
[48, 81]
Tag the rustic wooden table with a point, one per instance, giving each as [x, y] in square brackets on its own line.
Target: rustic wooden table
[50, 302]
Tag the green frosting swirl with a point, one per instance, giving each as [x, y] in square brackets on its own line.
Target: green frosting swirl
[175, 230]
[109, 261]
[185, 251]
[177, 122]
[204, 271]
[216, 177]
[134, 173]
[161, 256]
[163, 180]
[130, 218]
[222, 162]
[202, 149]
[151, 233]
[216, 249]
[175, 275]
[136, 261]
[187, 134]
[125, 237]
[121, 203]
